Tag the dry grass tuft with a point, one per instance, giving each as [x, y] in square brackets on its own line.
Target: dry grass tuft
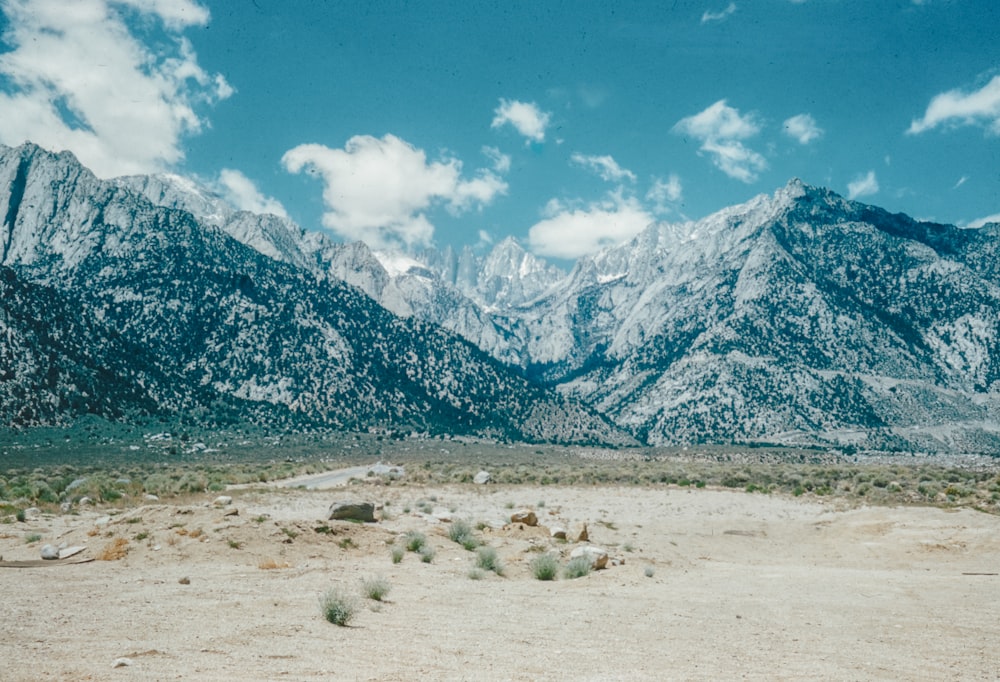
[114, 551]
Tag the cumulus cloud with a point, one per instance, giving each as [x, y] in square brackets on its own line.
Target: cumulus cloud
[863, 186]
[526, 117]
[721, 129]
[379, 190]
[242, 193]
[664, 194]
[500, 161]
[721, 15]
[604, 166]
[957, 108]
[573, 231]
[802, 128]
[79, 79]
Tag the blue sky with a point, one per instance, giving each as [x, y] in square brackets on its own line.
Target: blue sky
[569, 125]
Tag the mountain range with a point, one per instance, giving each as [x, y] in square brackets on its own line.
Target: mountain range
[118, 307]
[798, 318]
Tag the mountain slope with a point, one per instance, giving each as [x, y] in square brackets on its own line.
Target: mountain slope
[797, 317]
[231, 330]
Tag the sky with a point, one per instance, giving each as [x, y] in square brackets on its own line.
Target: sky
[568, 125]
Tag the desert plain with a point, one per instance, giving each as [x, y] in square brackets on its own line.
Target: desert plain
[702, 584]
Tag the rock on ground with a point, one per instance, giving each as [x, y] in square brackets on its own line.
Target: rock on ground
[342, 510]
[597, 556]
[525, 516]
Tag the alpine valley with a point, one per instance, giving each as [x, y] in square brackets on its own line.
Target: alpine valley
[799, 318]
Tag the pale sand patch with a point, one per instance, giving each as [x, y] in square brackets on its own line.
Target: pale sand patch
[744, 586]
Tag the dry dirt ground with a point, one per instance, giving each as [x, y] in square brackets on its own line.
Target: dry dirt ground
[742, 586]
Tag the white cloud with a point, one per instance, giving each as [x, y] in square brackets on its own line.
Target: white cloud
[979, 222]
[500, 161]
[378, 190]
[863, 186]
[570, 232]
[664, 193]
[485, 239]
[80, 80]
[526, 117]
[961, 181]
[604, 166]
[721, 128]
[802, 128]
[957, 108]
[718, 16]
[241, 192]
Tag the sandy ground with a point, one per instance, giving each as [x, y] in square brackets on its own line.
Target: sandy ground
[743, 586]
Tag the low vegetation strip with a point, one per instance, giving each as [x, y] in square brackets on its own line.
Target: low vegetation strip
[83, 475]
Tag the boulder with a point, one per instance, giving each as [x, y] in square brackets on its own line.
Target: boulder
[583, 535]
[379, 469]
[50, 552]
[352, 511]
[525, 516]
[598, 557]
[558, 532]
[482, 478]
[222, 501]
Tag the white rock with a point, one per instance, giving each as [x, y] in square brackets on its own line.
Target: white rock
[558, 532]
[150, 497]
[66, 552]
[222, 500]
[379, 469]
[50, 552]
[121, 662]
[481, 478]
[525, 516]
[598, 557]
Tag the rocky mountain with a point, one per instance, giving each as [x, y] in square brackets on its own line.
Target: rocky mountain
[119, 307]
[798, 317]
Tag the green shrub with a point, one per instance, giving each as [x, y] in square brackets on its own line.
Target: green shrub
[376, 587]
[545, 567]
[461, 532]
[488, 560]
[415, 541]
[34, 537]
[577, 568]
[397, 553]
[426, 554]
[337, 607]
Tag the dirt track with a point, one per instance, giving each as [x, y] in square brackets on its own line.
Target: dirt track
[743, 586]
